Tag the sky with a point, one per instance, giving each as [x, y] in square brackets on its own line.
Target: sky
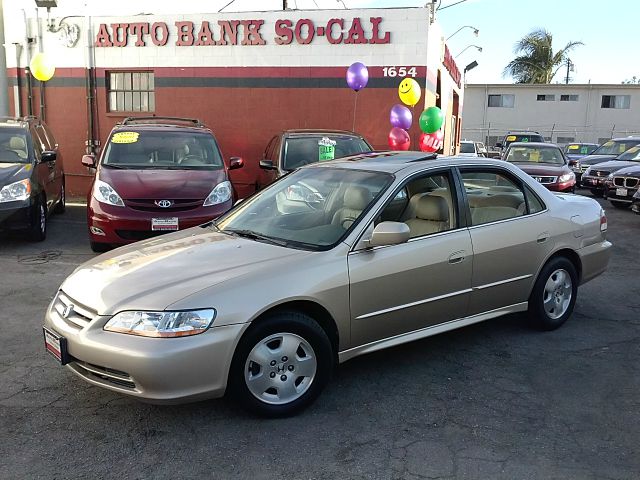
[607, 29]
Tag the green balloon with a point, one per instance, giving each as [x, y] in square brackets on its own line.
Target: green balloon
[431, 120]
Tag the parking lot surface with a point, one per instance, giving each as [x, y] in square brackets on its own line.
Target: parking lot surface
[495, 400]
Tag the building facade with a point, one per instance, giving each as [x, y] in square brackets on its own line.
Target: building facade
[562, 113]
[246, 75]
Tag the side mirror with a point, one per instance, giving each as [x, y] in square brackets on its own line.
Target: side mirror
[235, 162]
[267, 165]
[389, 233]
[89, 161]
[48, 156]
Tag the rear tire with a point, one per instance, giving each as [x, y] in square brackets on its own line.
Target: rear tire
[100, 247]
[61, 206]
[621, 205]
[554, 294]
[38, 228]
[596, 193]
[281, 365]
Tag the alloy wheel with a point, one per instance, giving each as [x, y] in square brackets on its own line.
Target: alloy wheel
[557, 293]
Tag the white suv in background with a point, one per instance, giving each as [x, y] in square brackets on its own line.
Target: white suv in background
[472, 149]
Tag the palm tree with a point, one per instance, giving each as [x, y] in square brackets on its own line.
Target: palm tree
[536, 61]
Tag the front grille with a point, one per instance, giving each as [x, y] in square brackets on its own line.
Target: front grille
[180, 205]
[544, 180]
[140, 234]
[600, 173]
[71, 312]
[104, 375]
[627, 182]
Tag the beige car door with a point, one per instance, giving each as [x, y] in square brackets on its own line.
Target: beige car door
[510, 234]
[426, 281]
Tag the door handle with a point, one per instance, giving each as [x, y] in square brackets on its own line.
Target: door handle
[457, 257]
[543, 237]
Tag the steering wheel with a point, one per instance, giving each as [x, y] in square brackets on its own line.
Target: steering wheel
[192, 158]
[347, 220]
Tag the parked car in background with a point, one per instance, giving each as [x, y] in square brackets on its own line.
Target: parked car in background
[635, 202]
[574, 152]
[262, 304]
[293, 149]
[622, 186]
[156, 175]
[494, 152]
[545, 162]
[31, 176]
[469, 148]
[608, 151]
[519, 136]
[599, 176]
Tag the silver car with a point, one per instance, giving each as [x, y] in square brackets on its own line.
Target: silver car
[382, 249]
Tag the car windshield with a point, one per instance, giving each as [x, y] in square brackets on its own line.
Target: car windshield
[535, 155]
[13, 145]
[615, 147]
[312, 208]
[467, 147]
[172, 150]
[579, 149]
[631, 155]
[523, 138]
[299, 151]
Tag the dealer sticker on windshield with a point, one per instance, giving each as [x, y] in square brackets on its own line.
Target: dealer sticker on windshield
[326, 149]
[125, 137]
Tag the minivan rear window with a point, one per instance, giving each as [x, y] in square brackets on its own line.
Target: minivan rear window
[182, 150]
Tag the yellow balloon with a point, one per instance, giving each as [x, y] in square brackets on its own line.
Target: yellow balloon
[41, 67]
[409, 91]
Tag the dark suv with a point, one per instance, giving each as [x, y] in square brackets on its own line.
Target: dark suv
[519, 136]
[292, 149]
[156, 175]
[31, 176]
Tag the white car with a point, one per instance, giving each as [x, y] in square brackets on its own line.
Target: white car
[472, 149]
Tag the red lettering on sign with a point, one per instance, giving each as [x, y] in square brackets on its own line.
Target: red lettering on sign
[159, 40]
[375, 37]
[139, 29]
[252, 32]
[334, 21]
[311, 31]
[228, 30]
[450, 64]
[118, 28]
[205, 36]
[356, 32]
[103, 39]
[284, 34]
[185, 34]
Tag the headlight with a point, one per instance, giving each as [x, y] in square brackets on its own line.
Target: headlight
[567, 177]
[220, 194]
[610, 176]
[161, 324]
[16, 191]
[103, 192]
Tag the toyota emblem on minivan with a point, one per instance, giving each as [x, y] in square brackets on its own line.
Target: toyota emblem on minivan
[164, 203]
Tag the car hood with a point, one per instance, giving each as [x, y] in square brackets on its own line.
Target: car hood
[593, 159]
[12, 172]
[574, 156]
[155, 273]
[543, 168]
[151, 184]
[633, 171]
[615, 165]
[467, 155]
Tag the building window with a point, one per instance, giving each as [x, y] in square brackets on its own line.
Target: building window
[546, 98]
[131, 92]
[506, 101]
[563, 140]
[569, 98]
[616, 101]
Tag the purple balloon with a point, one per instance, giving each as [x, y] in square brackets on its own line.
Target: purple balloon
[357, 76]
[401, 117]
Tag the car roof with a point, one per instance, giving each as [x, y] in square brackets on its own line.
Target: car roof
[316, 131]
[523, 132]
[395, 161]
[620, 139]
[533, 144]
[22, 122]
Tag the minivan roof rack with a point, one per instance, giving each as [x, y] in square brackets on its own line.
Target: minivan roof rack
[192, 121]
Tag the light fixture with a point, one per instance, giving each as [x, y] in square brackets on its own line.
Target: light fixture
[68, 33]
[471, 66]
[475, 31]
[467, 47]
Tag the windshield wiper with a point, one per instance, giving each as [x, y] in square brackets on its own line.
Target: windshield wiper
[256, 236]
[111, 165]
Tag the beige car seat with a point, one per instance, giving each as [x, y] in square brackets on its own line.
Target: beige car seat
[432, 216]
[356, 200]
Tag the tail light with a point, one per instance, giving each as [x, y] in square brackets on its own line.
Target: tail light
[603, 221]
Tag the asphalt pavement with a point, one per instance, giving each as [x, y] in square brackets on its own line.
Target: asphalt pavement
[496, 400]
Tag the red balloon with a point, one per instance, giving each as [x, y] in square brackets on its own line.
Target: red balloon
[431, 142]
[399, 139]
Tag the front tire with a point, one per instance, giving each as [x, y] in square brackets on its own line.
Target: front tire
[597, 193]
[38, 229]
[281, 365]
[554, 294]
[99, 247]
[61, 205]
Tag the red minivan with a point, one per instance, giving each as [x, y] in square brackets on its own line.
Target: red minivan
[156, 175]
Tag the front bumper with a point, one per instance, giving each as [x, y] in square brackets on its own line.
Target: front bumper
[620, 194]
[155, 370]
[595, 183]
[635, 206]
[122, 225]
[16, 215]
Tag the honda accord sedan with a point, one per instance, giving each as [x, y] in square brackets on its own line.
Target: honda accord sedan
[264, 302]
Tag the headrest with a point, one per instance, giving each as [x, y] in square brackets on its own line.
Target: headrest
[17, 143]
[356, 198]
[432, 208]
